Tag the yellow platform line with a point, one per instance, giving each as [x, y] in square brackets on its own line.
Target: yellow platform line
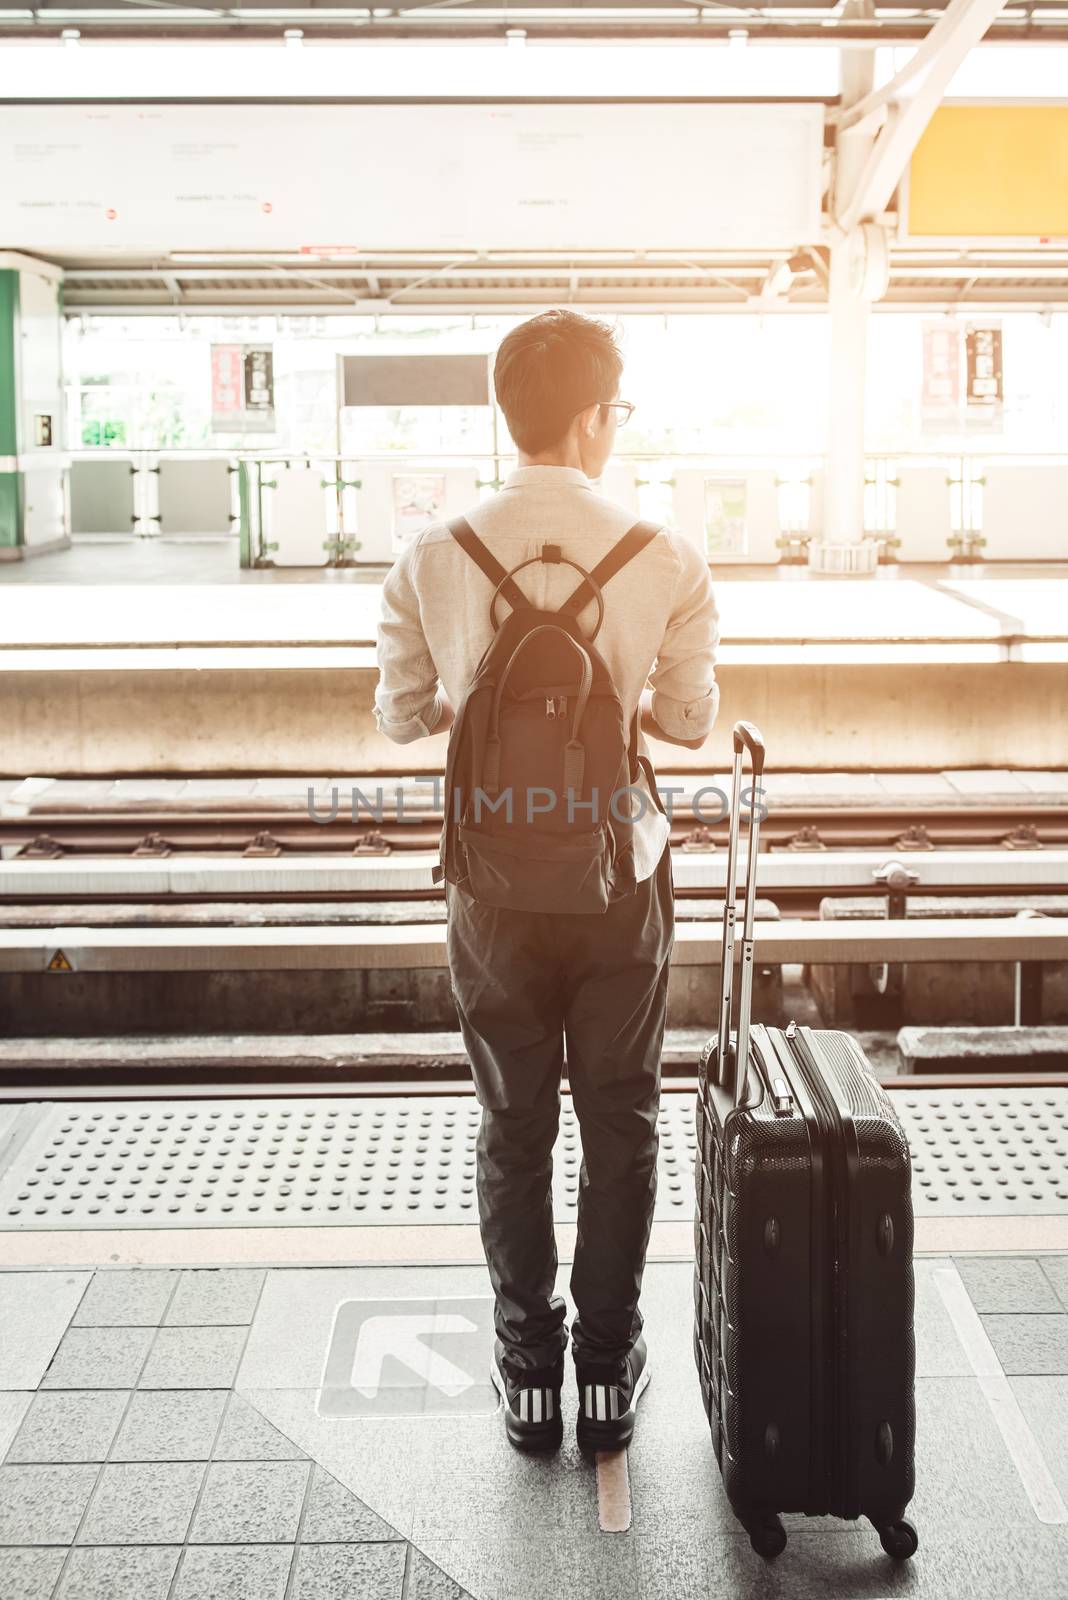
[613, 1491]
[435, 1244]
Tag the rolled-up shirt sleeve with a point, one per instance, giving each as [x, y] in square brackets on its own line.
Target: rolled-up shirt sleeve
[407, 701]
[685, 692]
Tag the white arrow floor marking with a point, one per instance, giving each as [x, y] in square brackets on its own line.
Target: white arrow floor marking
[402, 1338]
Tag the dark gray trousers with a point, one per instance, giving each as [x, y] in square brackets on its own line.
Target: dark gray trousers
[523, 982]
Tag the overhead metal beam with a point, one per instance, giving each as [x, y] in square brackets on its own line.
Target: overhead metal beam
[756, 267]
[539, 19]
[981, 277]
[935, 296]
[955, 34]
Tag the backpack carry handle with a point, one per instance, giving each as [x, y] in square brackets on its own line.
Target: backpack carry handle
[746, 737]
[624, 550]
[562, 561]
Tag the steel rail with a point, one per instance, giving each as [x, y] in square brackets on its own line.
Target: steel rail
[858, 828]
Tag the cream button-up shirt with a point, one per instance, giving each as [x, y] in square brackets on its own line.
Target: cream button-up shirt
[661, 625]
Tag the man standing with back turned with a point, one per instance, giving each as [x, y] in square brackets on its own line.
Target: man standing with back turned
[524, 981]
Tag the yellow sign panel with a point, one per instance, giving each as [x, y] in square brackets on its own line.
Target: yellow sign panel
[59, 963]
[994, 171]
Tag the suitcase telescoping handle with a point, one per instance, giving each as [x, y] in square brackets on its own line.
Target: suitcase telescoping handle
[746, 737]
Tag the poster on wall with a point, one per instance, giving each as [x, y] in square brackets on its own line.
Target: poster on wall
[725, 517]
[259, 385]
[940, 394]
[242, 388]
[985, 396]
[418, 498]
[227, 394]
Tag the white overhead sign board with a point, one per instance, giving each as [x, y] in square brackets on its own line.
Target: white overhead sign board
[560, 175]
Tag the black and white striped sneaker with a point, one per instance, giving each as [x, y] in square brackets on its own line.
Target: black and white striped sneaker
[532, 1417]
[607, 1398]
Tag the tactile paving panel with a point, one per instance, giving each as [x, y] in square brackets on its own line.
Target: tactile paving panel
[217, 1163]
[987, 1151]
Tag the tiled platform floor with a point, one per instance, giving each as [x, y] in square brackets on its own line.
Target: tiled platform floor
[243, 1434]
[136, 1472]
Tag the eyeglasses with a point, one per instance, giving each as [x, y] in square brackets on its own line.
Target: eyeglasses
[624, 407]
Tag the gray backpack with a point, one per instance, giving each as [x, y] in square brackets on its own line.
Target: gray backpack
[538, 806]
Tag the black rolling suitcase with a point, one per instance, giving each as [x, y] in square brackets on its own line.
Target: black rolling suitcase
[803, 1283]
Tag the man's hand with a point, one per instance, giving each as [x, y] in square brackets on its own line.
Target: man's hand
[650, 726]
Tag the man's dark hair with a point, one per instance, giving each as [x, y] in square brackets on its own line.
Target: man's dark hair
[549, 368]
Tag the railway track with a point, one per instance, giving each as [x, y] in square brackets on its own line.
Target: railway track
[48, 834]
[373, 883]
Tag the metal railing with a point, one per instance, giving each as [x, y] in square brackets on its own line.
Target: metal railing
[350, 538]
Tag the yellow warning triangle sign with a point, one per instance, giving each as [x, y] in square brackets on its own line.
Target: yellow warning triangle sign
[59, 963]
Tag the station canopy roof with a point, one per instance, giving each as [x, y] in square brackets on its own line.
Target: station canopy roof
[974, 276]
[979, 279]
[891, 21]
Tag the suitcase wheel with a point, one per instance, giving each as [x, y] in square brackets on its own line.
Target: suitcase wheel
[768, 1536]
[899, 1540]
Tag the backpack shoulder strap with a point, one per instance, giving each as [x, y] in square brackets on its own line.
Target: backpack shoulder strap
[469, 541]
[625, 549]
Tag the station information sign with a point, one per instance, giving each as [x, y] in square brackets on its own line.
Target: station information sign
[990, 172]
[411, 175]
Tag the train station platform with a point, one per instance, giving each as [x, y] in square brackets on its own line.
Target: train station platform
[940, 608]
[280, 678]
[246, 1320]
[164, 560]
[198, 1398]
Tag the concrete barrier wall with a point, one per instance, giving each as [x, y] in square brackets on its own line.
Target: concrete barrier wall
[299, 1000]
[318, 720]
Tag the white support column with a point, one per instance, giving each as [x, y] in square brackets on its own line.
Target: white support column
[843, 517]
[843, 489]
[877, 133]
